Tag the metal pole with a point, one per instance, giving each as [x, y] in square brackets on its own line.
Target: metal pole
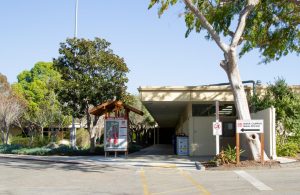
[217, 136]
[73, 130]
[76, 18]
[154, 135]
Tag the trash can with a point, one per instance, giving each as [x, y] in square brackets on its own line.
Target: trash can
[182, 143]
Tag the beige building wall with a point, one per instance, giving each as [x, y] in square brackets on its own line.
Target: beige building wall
[268, 115]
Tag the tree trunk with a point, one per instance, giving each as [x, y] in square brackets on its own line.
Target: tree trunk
[92, 135]
[42, 134]
[6, 134]
[241, 104]
[73, 134]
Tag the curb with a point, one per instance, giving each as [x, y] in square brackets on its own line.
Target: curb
[29, 158]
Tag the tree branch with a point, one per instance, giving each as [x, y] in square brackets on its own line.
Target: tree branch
[296, 2]
[224, 47]
[242, 22]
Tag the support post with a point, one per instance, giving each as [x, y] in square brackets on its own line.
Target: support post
[217, 136]
[262, 141]
[158, 135]
[237, 140]
[154, 136]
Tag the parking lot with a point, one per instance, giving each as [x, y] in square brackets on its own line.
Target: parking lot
[35, 177]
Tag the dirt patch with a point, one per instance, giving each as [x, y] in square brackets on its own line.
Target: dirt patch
[246, 164]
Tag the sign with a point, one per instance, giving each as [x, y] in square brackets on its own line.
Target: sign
[217, 128]
[249, 126]
[115, 134]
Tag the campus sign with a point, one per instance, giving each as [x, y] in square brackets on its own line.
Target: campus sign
[115, 135]
[249, 126]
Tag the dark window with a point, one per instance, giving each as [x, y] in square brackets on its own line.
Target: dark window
[203, 110]
[228, 129]
[210, 110]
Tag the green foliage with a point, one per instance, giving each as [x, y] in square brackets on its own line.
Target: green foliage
[82, 138]
[91, 74]
[288, 148]
[37, 89]
[287, 105]
[9, 149]
[19, 140]
[228, 155]
[43, 151]
[272, 26]
[132, 147]
[37, 141]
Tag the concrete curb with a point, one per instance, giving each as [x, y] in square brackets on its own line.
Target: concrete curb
[38, 158]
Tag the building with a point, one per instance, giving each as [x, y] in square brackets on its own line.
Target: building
[191, 111]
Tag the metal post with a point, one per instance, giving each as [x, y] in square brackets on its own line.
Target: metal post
[158, 135]
[76, 18]
[154, 136]
[217, 136]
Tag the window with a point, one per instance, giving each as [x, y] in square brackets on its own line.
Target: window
[210, 110]
[228, 129]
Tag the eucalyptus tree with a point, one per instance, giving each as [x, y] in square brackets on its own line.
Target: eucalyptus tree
[91, 74]
[237, 27]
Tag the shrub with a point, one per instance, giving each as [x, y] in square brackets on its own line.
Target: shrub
[287, 149]
[40, 141]
[8, 149]
[227, 156]
[82, 138]
[24, 141]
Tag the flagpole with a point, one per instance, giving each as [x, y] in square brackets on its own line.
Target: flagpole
[76, 18]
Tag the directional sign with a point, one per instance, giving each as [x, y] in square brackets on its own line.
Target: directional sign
[217, 128]
[249, 126]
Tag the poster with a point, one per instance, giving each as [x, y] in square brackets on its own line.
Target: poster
[115, 135]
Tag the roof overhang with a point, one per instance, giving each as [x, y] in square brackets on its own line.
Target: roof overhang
[166, 104]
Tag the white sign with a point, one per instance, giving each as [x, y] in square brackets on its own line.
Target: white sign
[217, 128]
[249, 126]
[115, 135]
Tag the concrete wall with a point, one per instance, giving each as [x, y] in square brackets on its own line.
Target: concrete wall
[196, 94]
[268, 115]
[202, 141]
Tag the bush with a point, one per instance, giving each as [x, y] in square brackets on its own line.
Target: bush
[19, 140]
[288, 149]
[8, 149]
[82, 138]
[40, 141]
[227, 156]
[32, 151]
[134, 147]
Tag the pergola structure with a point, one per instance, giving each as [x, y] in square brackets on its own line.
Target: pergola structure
[120, 110]
[116, 107]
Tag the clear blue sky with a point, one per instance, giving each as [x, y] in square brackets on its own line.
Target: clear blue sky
[154, 49]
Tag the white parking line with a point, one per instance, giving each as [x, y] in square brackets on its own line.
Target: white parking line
[255, 182]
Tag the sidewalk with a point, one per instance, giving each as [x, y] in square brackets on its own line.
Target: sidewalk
[133, 161]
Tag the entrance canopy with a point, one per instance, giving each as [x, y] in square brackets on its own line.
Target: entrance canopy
[168, 104]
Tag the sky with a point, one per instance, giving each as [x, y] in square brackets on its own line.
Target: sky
[155, 49]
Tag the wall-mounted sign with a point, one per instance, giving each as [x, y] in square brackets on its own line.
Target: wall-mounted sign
[249, 126]
[115, 135]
